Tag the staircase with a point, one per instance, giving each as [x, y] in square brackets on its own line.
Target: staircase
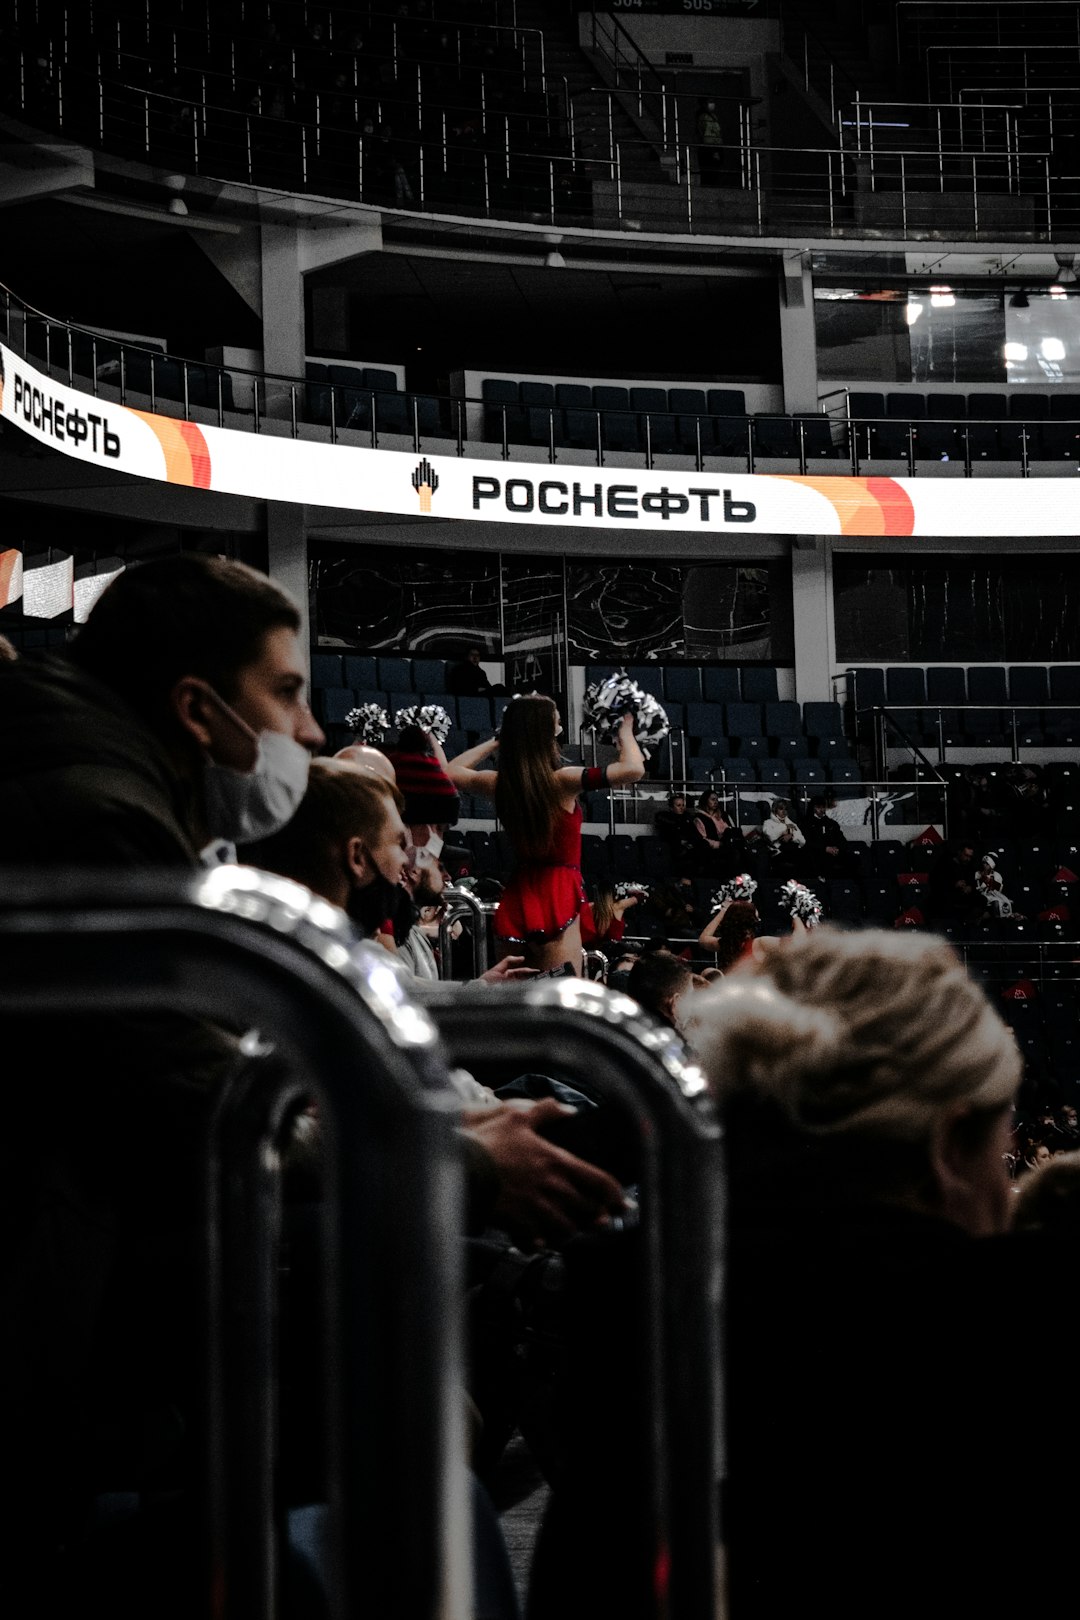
[597, 118]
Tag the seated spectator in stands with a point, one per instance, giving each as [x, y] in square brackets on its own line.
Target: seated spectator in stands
[867, 1086]
[954, 892]
[348, 832]
[785, 840]
[177, 717]
[675, 826]
[720, 847]
[658, 982]
[468, 678]
[827, 853]
[731, 934]
[1048, 1197]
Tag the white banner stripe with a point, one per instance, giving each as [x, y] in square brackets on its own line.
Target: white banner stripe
[267, 467]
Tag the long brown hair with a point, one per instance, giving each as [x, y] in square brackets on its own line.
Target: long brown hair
[737, 925]
[603, 908]
[527, 795]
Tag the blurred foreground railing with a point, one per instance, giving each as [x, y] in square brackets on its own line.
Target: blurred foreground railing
[239, 948]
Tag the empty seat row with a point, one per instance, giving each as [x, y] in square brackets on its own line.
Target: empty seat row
[980, 703]
[355, 396]
[986, 427]
[370, 672]
[674, 421]
[696, 683]
[333, 703]
[981, 683]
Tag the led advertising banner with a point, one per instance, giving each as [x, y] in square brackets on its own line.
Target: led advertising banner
[269, 467]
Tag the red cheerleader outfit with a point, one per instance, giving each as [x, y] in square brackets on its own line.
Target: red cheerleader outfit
[545, 893]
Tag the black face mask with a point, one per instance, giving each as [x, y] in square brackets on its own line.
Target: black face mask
[372, 905]
[424, 895]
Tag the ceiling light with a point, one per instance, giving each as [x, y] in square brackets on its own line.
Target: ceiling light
[555, 260]
[912, 313]
[1057, 291]
[1052, 348]
[941, 298]
[1015, 352]
[1066, 263]
[1019, 300]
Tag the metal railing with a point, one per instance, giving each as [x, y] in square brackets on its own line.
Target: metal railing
[605, 1046]
[772, 191]
[831, 441]
[630, 72]
[236, 946]
[462, 906]
[885, 724]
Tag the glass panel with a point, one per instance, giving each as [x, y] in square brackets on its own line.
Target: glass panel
[1042, 338]
[956, 336]
[625, 612]
[953, 611]
[383, 598]
[532, 623]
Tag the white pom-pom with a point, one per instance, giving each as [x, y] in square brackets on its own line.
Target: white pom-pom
[605, 703]
[623, 891]
[429, 717]
[369, 723]
[799, 901]
[743, 887]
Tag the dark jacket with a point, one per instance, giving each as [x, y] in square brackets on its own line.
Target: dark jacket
[83, 782]
[105, 1118]
[878, 1363]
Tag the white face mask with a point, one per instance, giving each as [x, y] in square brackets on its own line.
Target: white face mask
[243, 806]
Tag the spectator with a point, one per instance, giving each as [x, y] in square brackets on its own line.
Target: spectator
[675, 826]
[468, 678]
[868, 1088]
[658, 982]
[177, 717]
[785, 840]
[710, 144]
[953, 886]
[720, 848]
[827, 853]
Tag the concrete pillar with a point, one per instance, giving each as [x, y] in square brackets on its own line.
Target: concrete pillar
[286, 548]
[811, 588]
[798, 343]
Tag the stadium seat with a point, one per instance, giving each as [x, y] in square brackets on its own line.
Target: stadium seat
[759, 684]
[722, 684]
[683, 682]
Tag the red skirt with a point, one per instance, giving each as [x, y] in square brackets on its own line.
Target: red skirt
[539, 904]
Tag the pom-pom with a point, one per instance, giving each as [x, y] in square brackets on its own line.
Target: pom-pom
[369, 723]
[623, 891]
[801, 902]
[429, 717]
[606, 702]
[742, 887]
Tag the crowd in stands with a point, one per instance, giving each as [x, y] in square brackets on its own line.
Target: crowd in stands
[868, 1082]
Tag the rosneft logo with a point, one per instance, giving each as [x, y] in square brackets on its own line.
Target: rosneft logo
[425, 481]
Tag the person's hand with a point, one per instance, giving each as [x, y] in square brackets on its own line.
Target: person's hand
[829, 850]
[626, 724]
[508, 970]
[546, 1194]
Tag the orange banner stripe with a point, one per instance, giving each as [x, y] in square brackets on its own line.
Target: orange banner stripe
[187, 458]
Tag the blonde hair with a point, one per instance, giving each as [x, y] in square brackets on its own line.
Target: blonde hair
[863, 1032]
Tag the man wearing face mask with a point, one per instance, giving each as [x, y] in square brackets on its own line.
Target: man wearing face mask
[176, 718]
